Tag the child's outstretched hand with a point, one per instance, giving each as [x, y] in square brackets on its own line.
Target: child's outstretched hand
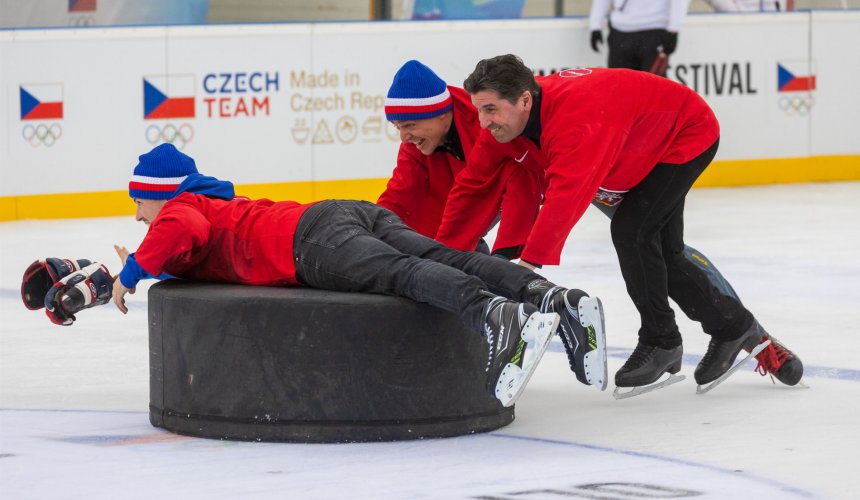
[118, 295]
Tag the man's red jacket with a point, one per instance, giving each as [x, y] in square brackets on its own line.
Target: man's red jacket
[600, 128]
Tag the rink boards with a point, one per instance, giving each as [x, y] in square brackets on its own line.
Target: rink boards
[295, 111]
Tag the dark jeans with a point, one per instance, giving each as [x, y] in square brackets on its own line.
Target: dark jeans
[635, 50]
[648, 234]
[356, 246]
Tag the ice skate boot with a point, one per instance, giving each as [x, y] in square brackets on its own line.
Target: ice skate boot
[517, 337]
[778, 361]
[718, 363]
[582, 331]
[644, 367]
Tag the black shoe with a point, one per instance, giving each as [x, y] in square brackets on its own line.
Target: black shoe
[647, 364]
[582, 332]
[517, 337]
[721, 355]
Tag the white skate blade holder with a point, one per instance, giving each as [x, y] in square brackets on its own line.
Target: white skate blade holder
[703, 389]
[636, 391]
[538, 331]
[591, 314]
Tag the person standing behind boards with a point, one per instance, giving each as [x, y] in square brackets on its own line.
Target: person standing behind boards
[642, 33]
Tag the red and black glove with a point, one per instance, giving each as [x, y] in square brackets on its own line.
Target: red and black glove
[41, 275]
[91, 286]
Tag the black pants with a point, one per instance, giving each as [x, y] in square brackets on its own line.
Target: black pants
[648, 234]
[357, 246]
[636, 50]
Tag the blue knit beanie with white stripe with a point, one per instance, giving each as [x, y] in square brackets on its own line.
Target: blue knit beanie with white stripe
[417, 93]
[159, 172]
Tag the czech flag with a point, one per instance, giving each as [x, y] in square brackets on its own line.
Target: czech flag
[168, 96]
[82, 5]
[42, 102]
[790, 82]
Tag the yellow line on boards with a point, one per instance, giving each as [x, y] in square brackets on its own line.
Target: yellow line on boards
[781, 171]
[113, 203]
[719, 174]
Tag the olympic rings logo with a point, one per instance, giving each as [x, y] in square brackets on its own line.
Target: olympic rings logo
[170, 133]
[796, 105]
[42, 134]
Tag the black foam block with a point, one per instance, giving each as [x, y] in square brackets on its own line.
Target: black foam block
[304, 365]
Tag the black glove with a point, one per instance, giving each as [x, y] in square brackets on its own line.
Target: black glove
[41, 276]
[91, 286]
[670, 42]
[596, 40]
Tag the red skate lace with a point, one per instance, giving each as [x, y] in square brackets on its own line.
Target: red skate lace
[771, 358]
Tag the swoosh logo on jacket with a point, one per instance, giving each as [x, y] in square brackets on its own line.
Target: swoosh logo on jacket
[521, 158]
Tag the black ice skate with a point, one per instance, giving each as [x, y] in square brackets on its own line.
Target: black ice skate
[717, 364]
[517, 337]
[645, 366]
[582, 331]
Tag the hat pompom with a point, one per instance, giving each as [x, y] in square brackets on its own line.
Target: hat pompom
[159, 172]
[417, 93]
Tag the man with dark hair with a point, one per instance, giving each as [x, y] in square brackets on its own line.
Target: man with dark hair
[633, 144]
[199, 230]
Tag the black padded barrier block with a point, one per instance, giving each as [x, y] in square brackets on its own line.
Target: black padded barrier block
[313, 366]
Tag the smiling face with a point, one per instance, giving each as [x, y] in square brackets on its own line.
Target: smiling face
[147, 210]
[426, 135]
[505, 120]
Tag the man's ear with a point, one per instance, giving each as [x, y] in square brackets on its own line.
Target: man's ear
[527, 100]
[447, 118]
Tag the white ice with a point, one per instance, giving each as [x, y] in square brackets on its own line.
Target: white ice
[74, 400]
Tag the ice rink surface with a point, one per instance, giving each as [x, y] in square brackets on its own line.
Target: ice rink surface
[74, 400]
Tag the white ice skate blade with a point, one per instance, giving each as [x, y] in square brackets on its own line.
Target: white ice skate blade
[540, 327]
[510, 384]
[636, 391]
[537, 332]
[591, 314]
[702, 389]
